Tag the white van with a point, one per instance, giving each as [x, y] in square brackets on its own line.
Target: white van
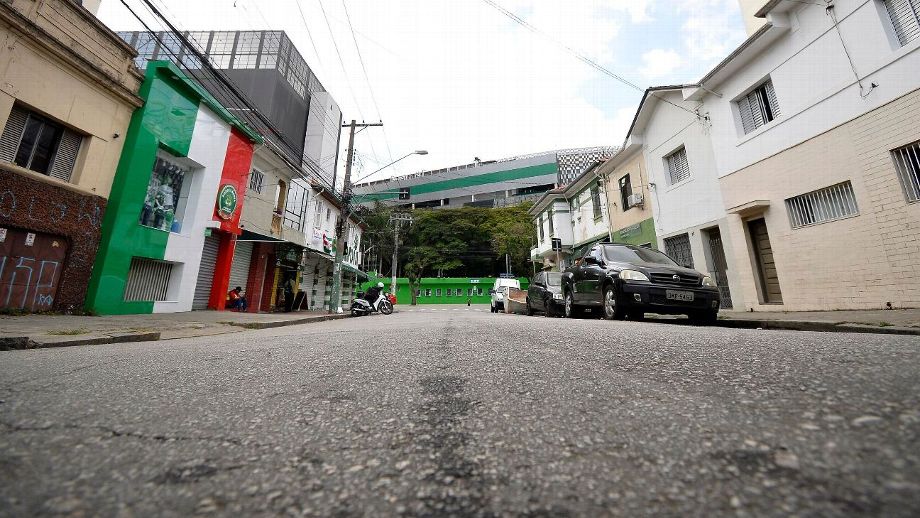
[499, 291]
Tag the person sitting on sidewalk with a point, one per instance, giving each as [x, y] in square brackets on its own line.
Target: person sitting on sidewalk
[236, 300]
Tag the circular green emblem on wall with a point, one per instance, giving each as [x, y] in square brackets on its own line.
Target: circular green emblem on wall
[226, 201]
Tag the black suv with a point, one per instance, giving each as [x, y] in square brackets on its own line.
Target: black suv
[627, 280]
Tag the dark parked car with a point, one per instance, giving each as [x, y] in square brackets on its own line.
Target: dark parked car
[545, 294]
[627, 280]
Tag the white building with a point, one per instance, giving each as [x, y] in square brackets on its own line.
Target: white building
[576, 214]
[684, 187]
[815, 124]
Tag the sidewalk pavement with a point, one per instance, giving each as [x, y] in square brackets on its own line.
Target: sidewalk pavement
[893, 321]
[31, 331]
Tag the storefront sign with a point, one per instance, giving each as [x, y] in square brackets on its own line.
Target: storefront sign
[474, 281]
[30, 239]
[632, 230]
[2, 235]
[226, 201]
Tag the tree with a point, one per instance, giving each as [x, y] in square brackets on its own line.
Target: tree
[513, 233]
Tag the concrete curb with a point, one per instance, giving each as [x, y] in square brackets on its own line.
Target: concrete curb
[283, 323]
[25, 342]
[809, 325]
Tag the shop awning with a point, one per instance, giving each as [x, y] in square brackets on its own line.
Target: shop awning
[249, 235]
[361, 275]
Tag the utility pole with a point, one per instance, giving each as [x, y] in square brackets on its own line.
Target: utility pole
[397, 218]
[341, 229]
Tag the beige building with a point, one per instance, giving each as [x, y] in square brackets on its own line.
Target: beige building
[817, 148]
[68, 88]
[626, 185]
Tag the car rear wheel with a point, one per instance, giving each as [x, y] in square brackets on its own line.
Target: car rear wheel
[612, 309]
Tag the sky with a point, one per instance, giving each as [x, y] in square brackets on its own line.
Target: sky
[459, 79]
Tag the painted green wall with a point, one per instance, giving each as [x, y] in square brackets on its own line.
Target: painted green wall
[469, 181]
[404, 295]
[167, 120]
[646, 234]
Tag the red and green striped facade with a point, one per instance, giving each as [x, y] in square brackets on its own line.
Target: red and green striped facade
[180, 128]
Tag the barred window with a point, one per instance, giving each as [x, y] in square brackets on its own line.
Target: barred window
[758, 107]
[678, 248]
[905, 18]
[256, 181]
[822, 206]
[907, 162]
[678, 167]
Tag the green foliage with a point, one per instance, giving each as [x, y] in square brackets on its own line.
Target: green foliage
[469, 241]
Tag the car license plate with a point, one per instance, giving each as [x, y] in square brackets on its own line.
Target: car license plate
[683, 296]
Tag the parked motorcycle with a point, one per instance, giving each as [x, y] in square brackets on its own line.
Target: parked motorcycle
[361, 306]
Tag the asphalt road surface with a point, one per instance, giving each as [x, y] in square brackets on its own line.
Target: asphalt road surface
[466, 413]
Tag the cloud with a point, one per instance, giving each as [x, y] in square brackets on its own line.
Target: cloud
[711, 29]
[659, 63]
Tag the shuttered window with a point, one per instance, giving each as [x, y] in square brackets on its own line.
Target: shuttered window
[148, 280]
[905, 18]
[907, 162]
[823, 205]
[758, 107]
[32, 141]
[678, 167]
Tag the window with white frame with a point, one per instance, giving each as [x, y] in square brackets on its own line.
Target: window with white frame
[823, 205]
[256, 181]
[759, 107]
[678, 167]
[905, 18]
[549, 220]
[35, 142]
[540, 226]
[596, 201]
[907, 162]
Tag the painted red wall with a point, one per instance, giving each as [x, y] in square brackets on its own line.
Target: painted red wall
[237, 164]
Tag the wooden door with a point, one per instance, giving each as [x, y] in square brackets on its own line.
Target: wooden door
[763, 252]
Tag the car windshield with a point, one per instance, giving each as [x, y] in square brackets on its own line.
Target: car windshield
[625, 254]
[554, 279]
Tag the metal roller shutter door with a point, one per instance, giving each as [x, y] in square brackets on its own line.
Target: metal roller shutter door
[206, 272]
[239, 269]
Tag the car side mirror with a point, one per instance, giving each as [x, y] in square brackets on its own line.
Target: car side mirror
[591, 260]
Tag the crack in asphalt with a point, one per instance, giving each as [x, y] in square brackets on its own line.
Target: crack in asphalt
[117, 433]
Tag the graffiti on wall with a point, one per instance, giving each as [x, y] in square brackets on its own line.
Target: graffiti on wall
[86, 213]
[30, 269]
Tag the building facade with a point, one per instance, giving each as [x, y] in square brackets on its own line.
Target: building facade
[169, 233]
[818, 155]
[68, 91]
[493, 183]
[690, 219]
[629, 203]
[269, 70]
[570, 220]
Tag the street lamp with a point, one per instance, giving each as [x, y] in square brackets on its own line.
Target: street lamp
[419, 152]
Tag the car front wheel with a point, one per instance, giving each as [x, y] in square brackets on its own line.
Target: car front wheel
[612, 310]
[706, 318]
[570, 310]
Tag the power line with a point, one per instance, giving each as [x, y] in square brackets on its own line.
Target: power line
[223, 88]
[309, 34]
[367, 79]
[581, 57]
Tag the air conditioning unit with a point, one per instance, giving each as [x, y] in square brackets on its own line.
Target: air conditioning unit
[634, 199]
